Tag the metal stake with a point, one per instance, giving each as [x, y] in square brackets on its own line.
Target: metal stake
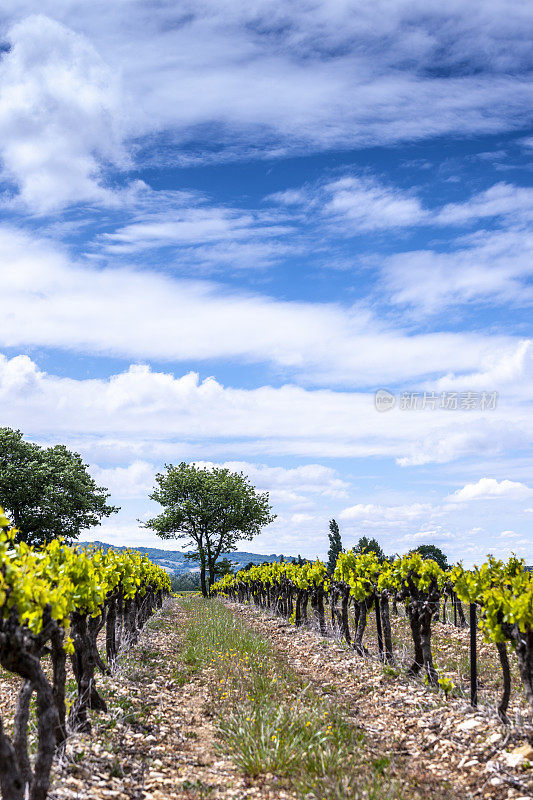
[473, 655]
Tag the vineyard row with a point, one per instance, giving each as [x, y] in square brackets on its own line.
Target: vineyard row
[54, 602]
[501, 593]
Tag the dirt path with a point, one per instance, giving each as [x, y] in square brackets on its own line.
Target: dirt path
[158, 739]
[431, 736]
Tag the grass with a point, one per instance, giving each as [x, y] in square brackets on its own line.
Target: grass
[270, 722]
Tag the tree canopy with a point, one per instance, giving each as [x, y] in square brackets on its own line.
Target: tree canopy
[47, 491]
[434, 552]
[212, 508]
[335, 545]
[366, 545]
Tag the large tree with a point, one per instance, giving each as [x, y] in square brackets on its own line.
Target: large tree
[47, 491]
[212, 508]
[335, 545]
[366, 545]
[434, 552]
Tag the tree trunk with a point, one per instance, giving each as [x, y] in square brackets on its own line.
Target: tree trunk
[414, 623]
[84, 665]
[345, 623]
[47, 724]
[356, 615]
[333, 596]
[202, 577]
[462, 619]
[110, 632]
[11, 782]
[20, 733]
[95, 625]
[444, 606]
[361, 627]
[320, 612]
[298, 608]
[524, 651]
[305, 600]
[59, 661]
[120, 619]
[425, 641]
[386, 628]
[506, 672]
[290, 603]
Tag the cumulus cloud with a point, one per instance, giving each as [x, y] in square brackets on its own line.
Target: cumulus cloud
[316, 479]
[490, 488]
[59, 109]
[146, 415]
[135, 480]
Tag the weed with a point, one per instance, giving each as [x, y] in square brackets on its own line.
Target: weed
[269, 721]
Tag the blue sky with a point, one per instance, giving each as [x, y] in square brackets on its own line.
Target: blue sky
[225, 226]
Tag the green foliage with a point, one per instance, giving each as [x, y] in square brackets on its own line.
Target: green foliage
[335, 545]
[504, 590]
[66, 579]
[366, 545]
[212, 508]
[414, 573]
[223, 567]
[186, 582]
[361, 572]
[433, 552]
[47, 491]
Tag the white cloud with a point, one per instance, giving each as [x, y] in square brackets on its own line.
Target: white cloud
[234, 78]
[511, 371]
[488, 267]
[310, 478]
[363, 204]
[196, 232]
[371, 513]
[153, 416]
[58, 116]
[490, 488]
[430, 536]
[67, 306]
[502, 199]
[296, 488]
[298, 519]
[135, 480]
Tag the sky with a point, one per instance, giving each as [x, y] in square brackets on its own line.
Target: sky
[290, 238]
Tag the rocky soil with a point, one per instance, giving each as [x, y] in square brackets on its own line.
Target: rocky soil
[158, 740]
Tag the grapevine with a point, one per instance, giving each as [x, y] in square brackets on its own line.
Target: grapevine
[502, 591]
[56, 600]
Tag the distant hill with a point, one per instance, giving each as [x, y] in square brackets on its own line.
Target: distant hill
[175, 563]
